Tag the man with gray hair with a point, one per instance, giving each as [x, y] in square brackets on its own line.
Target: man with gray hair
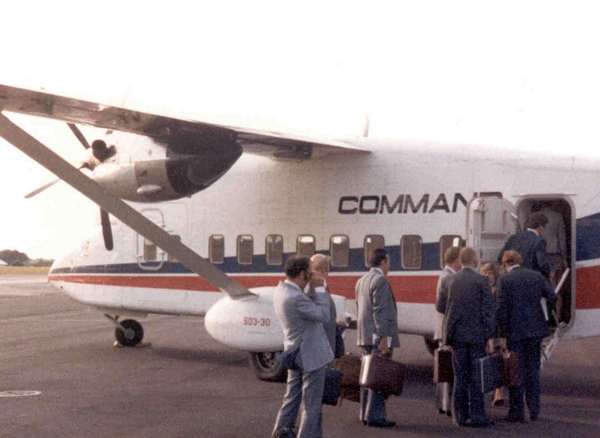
[469, 329]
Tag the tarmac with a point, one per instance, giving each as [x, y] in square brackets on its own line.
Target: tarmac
[61, 375]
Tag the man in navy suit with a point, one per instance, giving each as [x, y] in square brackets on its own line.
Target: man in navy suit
[522, 326]
[531, 245]
[469, 328]
[302, 321]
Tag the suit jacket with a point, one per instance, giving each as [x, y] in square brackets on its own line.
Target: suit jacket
[532, 249]
[470, 309]
[302, 321]
[555, 233]
[519, 312]
[377, 312]
[330, 325]
[441, 300]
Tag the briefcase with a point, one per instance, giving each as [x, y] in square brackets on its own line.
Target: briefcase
[382, 374]
[489, 371]
[511, 375]
[333, 386]
[443, 371]
[349, 364]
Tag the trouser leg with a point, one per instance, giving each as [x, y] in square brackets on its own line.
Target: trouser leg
[460, 393]
[516, 409]
[291, 402]
[372, 403]
[312, 397]
[532, 361]
[476, 400]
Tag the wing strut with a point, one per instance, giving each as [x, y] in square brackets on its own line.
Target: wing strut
[115, 206]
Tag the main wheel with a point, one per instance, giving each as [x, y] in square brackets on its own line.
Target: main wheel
[132, 335]
[431, 345]
[267, 367]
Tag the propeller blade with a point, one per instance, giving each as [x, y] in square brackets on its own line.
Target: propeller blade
[41, 189]
[106, 230]
[79, 135]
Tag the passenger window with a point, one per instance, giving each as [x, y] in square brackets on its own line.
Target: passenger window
[339, 248]
[305, 245]
[372, 242]
[411, 248]
[149, 251]
[448, 241]
[274, 249]
[216, 249]
[245, 249]
[171, 258]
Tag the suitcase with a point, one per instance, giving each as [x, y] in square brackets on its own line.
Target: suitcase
[511, 375]
[333, 386]
[349, 364]
[382, 374]
[489, 371]
[443, 371]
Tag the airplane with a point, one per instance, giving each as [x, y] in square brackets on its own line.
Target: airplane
[214, 211]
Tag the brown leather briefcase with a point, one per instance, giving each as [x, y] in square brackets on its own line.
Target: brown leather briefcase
[511, 375]
[443, 371]
[382, 374]
[349, 364]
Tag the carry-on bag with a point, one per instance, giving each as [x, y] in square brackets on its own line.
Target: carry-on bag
[443, 371]
[382, 374]
[489, 371]
[333, 386]
[349, 364]
[511, 375]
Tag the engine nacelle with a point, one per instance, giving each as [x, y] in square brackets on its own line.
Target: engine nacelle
[164, 179]
[248, 324]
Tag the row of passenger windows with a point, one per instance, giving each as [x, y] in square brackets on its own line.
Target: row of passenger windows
[411, 249]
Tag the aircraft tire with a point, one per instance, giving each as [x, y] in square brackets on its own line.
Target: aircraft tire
[267, 368]
[431, 345]
[132, 335]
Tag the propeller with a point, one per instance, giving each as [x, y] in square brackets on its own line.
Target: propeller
[100, 152]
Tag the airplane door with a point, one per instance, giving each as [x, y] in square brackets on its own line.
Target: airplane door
[490, 221]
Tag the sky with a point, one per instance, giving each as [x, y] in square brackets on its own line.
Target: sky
[515, 74]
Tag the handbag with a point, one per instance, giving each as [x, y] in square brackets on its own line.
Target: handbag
[511, 375]
[349, 365]
[288, 358]
[333, 387]
[382, 374]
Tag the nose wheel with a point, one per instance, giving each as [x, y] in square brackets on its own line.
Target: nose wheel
[128, 332]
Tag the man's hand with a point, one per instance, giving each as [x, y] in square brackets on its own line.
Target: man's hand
[383, 345]
[316, 281]
[490, 346]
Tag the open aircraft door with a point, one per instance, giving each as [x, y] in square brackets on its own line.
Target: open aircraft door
[490, 221]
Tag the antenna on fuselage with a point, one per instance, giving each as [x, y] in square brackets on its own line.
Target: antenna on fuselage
[366, 125]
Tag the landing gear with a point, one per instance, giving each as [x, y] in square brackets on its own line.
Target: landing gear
[267, 367]
[128, 333]
[431, 345]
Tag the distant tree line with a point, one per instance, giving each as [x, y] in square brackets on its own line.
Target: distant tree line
[15, 258]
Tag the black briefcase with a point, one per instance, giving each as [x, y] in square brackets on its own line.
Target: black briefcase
[333, 387]
[489, 372]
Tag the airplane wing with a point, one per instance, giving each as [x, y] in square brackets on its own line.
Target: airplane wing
[162, 128]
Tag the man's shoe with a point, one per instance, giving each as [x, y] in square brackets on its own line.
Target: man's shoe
[514, 420]
[383, 423]
[534, 417]
[481, 424]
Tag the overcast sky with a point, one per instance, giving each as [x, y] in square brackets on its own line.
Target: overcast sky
[511, 74]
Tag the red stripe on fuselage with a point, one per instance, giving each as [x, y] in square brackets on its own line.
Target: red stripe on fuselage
[408, 289]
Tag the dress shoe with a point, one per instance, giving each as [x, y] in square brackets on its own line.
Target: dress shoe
[514, 420]
[383, 423]
[534, 417]
[481, 424]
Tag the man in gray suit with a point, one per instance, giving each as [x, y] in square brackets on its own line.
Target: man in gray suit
[302, 321]
[320, 266]
[377, 330]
